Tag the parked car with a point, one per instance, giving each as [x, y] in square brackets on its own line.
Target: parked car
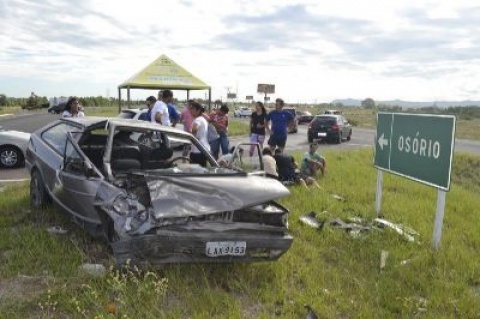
[131, 113]
[57, 109]
[304, 117]
[242, 112]
[294, 127]
[329, 127]
[121, 180]
[13, 145]
[334, 112]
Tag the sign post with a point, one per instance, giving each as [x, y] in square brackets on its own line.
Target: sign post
[266, 89]
[418, 147]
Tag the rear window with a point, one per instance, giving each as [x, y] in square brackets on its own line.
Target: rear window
[325, 120]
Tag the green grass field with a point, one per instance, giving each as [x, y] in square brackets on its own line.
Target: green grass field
[335, 273]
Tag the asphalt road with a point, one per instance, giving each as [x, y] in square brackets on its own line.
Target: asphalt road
[31, 121]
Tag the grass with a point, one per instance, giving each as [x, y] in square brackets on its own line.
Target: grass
[335, 273]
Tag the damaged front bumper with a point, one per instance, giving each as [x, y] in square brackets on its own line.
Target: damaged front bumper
[201, 245]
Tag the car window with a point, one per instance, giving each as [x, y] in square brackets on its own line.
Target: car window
[56, 136]
[73, 160]
[325, 120]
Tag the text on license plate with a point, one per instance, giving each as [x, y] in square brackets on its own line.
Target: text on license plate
[322, 134]
[225, 248]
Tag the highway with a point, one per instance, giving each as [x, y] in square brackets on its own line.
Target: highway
[31, 121]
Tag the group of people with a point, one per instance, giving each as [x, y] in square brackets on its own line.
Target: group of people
[210, 129]
[283, 167]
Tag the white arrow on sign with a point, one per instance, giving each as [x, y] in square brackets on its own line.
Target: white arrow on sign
[382, 141]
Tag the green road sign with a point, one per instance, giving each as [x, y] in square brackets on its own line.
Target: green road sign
[416, 146]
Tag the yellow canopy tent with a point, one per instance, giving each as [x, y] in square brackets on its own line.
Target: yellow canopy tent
[163, 73]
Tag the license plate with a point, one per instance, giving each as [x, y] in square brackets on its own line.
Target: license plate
[322, 134]
[225, 248]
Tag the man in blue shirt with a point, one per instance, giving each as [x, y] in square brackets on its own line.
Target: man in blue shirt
[172, 112]
[281, 120]
[145, 116]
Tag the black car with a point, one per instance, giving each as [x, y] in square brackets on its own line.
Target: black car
[57, 109]
[332, 127]
[304, 117]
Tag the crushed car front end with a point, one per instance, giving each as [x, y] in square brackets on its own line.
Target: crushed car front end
[191, 214]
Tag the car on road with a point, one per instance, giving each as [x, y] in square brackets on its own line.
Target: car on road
[334, 112]
[242, 112]
[57, 109]
[132, 113]
[293, 128]
[13, 145]
[121, 180]
[304, 117]
[331, 127]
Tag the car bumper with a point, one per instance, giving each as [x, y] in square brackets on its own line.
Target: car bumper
[170, 246]
[329, 135]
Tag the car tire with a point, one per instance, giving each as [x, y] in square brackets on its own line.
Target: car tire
[38, 193]
[349, 137]
[339, 139]
[11, 156]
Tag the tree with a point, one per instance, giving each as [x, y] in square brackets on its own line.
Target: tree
[368, 103]
[3, 100]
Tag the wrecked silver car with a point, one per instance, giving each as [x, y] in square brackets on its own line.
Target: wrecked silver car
[132, 183]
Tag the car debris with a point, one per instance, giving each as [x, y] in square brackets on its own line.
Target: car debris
[95, 270]
[383, 259]
[57, 230]
[311, 220]
[310, 313]
[355, 226]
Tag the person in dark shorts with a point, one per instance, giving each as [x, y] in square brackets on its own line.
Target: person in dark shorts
[280, 120]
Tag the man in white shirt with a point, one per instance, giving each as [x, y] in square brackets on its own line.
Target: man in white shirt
[159, 112]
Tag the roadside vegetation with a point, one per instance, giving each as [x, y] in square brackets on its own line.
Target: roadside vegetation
[337, 274]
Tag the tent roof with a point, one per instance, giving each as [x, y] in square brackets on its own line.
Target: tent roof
[164, 73]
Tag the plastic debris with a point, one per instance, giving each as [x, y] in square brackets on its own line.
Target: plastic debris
[406, 232]
[57, 230]
[96, 270]
[383, 259]
[311, 220]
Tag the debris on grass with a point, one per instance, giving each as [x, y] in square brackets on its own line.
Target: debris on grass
[95, 270]
[338, 197]
[311, 219]
[57, 230]
[383, 259]
[310, 313]
[406, 232]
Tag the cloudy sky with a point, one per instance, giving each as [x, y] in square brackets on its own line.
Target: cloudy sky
[416, 50]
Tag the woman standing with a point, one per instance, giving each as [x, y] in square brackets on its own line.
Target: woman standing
[258, 124]
[72, 108]
[199, 130]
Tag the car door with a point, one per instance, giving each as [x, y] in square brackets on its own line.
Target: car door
[345, 127]
[79, 180]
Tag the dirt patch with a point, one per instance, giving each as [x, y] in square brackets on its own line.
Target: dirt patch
[22, 287]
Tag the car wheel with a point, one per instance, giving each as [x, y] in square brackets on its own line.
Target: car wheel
[11, 156]
[349, 137]
[38, 193]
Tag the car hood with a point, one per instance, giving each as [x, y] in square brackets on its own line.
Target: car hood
[175, 196]
[15, 135]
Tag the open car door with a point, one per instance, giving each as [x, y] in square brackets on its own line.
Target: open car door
[248, 157]
[79, 180]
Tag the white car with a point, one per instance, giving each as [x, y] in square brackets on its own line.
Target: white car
[132, 113]
[242, 112]
[13, 145]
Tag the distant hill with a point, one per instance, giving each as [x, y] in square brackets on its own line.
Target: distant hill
[442, 104]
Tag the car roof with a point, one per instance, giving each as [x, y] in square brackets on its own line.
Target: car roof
[336, 116]
[94, 121]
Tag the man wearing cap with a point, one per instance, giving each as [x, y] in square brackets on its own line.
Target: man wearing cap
[160, 109]
[281, 120]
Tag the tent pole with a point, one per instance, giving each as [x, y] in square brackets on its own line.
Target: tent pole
[209, 100]
[188, 95]
[119, 100]
[128, 97]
